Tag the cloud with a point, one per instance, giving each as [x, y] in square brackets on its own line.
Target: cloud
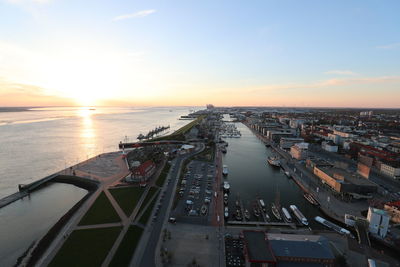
[327, 83]
[341, 72]
[389, 46]
[139, 14]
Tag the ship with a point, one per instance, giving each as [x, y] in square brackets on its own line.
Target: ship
[299, 215]
[275, 212]
[226, 186]
[333, 226]
[286, 215]
[274, 161]
[311, 199]
[225, 170]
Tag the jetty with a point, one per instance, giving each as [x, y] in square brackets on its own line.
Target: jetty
[252, 223]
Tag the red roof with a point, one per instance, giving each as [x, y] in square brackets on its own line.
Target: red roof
[144, 167]
[394, 204]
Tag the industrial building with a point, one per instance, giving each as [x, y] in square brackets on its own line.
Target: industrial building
[378, 221]
[265, 249]
[343, 182]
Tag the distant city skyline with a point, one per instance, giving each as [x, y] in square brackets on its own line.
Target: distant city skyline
[152, 53]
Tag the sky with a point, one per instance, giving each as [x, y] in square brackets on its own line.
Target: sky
[342, 53]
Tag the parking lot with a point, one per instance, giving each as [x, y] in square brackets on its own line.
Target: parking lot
[234, 252]
[196, 193]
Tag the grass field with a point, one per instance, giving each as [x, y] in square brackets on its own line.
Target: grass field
[146, 214]
[151, 193]
[87, 247]
[163, 175]
[127, 247]
[127, 197]
[100, 212]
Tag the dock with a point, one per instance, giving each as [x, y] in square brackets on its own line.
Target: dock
[252, 223]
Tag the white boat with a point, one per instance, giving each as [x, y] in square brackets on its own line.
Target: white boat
[226, 186]
[332, 226]
[286, 215]
[226, 212]
[262, 204]
[225, 170]
[299, 215]
[287, 174]
[274, 161]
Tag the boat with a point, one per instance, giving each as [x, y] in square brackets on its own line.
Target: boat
[238, 215]
[225, 170]
[223, 150]
[286, 215]
[288, 174]
[262, 204]
[299, 215]
[225, 199]
[247, 214]
[237, 203]
[256, 210]
[203, 210]
[311, 199]
[226, 212]
[333, 226]
[226, 186]
[274, 161]
[275, 212]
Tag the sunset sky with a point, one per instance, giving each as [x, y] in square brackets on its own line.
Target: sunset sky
[262, 53]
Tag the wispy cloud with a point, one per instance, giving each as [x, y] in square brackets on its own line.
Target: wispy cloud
[139, 14]
[327, 83]
[389, 46]
[341, 72]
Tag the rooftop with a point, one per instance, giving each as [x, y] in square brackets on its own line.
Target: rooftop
[258, 247]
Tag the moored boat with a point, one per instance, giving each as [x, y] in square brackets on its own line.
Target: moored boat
[274, 161]
[247, 214]
[225, 199]
[203, 210]
[299, 215]
[333, 226]
[311, 199]
[286, 215]
[226, 212]
[288, 174]
[225, 170]
[262, 204]
[256, 210]
[226, 186]
[238, 215]
[275, 212]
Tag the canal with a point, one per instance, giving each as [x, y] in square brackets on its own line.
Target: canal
[27, 220]
[250, 176]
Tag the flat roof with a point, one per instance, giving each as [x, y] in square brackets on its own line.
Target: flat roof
[348, 177]
[258, 248]
[301, 249]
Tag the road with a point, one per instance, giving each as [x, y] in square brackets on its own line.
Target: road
[145, 254]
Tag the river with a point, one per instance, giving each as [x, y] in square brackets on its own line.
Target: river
[250, 176]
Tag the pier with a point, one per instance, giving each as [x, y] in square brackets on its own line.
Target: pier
[252, 223]
[149, 143]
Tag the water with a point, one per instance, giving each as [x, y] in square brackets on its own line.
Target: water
[250, 176]
[38, 142]
[29, 219]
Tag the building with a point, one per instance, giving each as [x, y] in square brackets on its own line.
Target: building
[287, 142]
[393, 209]
[345, 183]
[286, 249]
[378, 221]
[316, 162]
[276, 135]
[142, 172]
[329, 146]
[391, 169]
[299, 151]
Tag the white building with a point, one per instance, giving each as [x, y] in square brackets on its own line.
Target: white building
[378, 221]
[391, 170]
[329, 146]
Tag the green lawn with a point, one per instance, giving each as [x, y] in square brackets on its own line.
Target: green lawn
[163, 175]
[100, 212]
[127, 197]
[87, 247]
[127, 247]
[146, 214]
[149, 195]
